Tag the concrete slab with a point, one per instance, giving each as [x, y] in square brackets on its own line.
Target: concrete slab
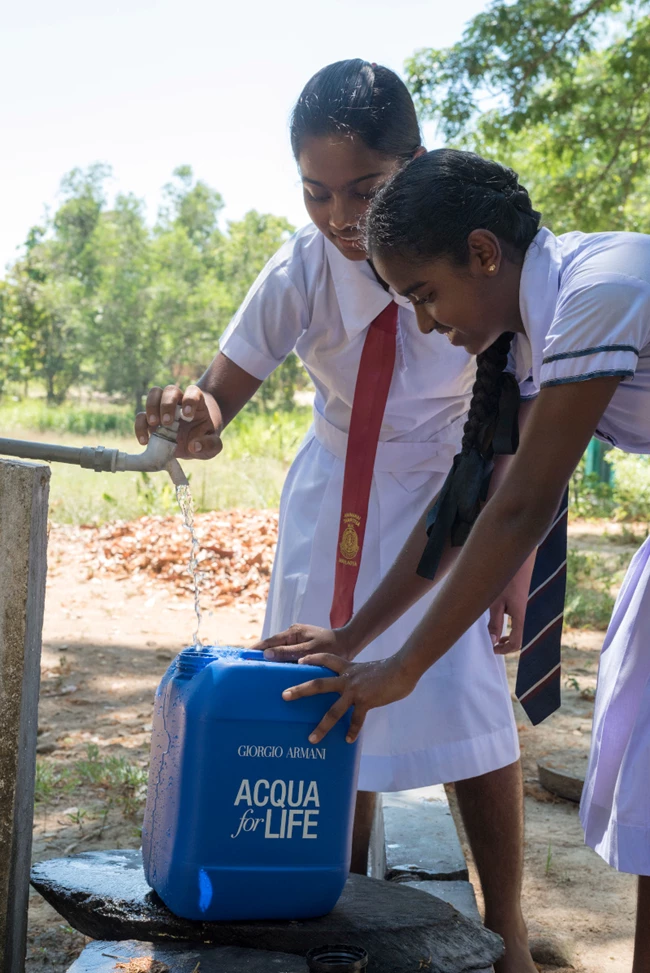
[377, 846]
[421, 838]
[104, 895]
[459, 894]
[103, 957]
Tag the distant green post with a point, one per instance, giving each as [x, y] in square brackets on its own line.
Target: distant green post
[595, 461]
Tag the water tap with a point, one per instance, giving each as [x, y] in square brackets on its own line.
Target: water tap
[158, 456]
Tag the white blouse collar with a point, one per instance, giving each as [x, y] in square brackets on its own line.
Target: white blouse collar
[538, 293]
[360, 295]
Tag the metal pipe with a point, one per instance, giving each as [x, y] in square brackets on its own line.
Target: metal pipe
[159, 455]
[42, 451]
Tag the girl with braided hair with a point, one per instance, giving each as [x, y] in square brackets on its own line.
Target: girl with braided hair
[457, 234]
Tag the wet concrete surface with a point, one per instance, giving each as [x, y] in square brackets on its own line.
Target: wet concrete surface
[104, 895]
[103, 957]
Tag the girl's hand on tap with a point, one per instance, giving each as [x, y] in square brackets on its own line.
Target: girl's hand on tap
[199, 434]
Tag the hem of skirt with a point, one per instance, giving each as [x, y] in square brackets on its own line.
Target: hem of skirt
[626, 848]
[444, 764]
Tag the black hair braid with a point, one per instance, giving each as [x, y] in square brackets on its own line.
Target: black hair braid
[483, 413]
[492, 427]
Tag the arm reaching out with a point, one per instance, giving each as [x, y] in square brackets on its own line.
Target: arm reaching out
[515, 519]
[513, 600]
[398, 591]
[507, 530]
[400, 588]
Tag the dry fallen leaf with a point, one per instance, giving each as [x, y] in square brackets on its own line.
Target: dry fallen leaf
[142, 964]
[236, 554]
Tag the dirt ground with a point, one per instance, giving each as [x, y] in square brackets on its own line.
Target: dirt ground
[107, 643]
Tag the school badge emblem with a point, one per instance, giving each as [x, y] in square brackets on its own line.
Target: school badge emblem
[349, 545]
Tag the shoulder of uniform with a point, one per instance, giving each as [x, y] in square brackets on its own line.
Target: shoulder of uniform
[302, 247]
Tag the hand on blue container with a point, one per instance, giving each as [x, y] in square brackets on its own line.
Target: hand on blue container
[362, 685]
[301, 640]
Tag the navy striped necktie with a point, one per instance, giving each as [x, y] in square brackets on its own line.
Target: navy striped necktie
[540, 664]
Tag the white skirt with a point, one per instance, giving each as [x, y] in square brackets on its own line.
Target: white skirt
[458, 722]
[615, 807]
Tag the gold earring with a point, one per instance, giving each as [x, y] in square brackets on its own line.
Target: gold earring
[492, 268]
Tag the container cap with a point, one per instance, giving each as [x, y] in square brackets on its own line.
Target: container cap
[337, 959]
[195, 658]
[192, 659]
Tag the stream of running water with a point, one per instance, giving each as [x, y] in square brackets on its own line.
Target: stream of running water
[185, 502]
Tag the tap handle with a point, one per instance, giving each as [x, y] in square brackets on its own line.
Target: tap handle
[169, 432]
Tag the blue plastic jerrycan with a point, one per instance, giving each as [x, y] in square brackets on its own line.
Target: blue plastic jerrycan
[246, 819]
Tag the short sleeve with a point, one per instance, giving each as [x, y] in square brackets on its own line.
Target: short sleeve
[267, 326]
[600, 326]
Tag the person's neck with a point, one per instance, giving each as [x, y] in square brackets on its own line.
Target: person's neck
[380, 280]
[511, 281]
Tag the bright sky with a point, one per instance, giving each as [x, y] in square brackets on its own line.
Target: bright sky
[147, 85]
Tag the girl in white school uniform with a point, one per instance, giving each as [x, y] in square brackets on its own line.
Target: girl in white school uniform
[352, 127]
[458, 236]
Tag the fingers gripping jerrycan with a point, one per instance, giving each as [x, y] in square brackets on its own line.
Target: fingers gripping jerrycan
[245, 819]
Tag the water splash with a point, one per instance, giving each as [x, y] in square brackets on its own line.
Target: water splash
[185, 502]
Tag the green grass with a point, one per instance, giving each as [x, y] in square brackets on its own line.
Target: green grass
[258, 449]
[591, 578]
[36, 415]
[119, 782]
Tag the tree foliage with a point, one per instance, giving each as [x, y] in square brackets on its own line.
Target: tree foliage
[560, 89]
[99, 297]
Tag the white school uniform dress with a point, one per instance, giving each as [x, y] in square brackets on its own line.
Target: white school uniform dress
[585, 304]
[458, 723]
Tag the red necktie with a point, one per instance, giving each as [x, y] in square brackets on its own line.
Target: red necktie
[370, 395]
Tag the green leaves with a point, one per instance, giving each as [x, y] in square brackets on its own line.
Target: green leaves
[193, 206]
[103, 299]
[560, 91]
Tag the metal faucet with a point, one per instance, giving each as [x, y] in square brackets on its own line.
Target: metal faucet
[159, 454]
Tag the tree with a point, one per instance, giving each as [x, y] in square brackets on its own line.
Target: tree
[76, 220]
[101, 297]
[46, 315]
[11, 354]
[165, 296]
[123, 344]
[51, 288]
[194, 207]
[560, 89]
[189, 294]
[249, 244]
[189, 302]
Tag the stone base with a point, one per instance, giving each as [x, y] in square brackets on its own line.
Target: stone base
[102, 957]
[104, 895]
[563, 773]
[421, 839]
[459, 894]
